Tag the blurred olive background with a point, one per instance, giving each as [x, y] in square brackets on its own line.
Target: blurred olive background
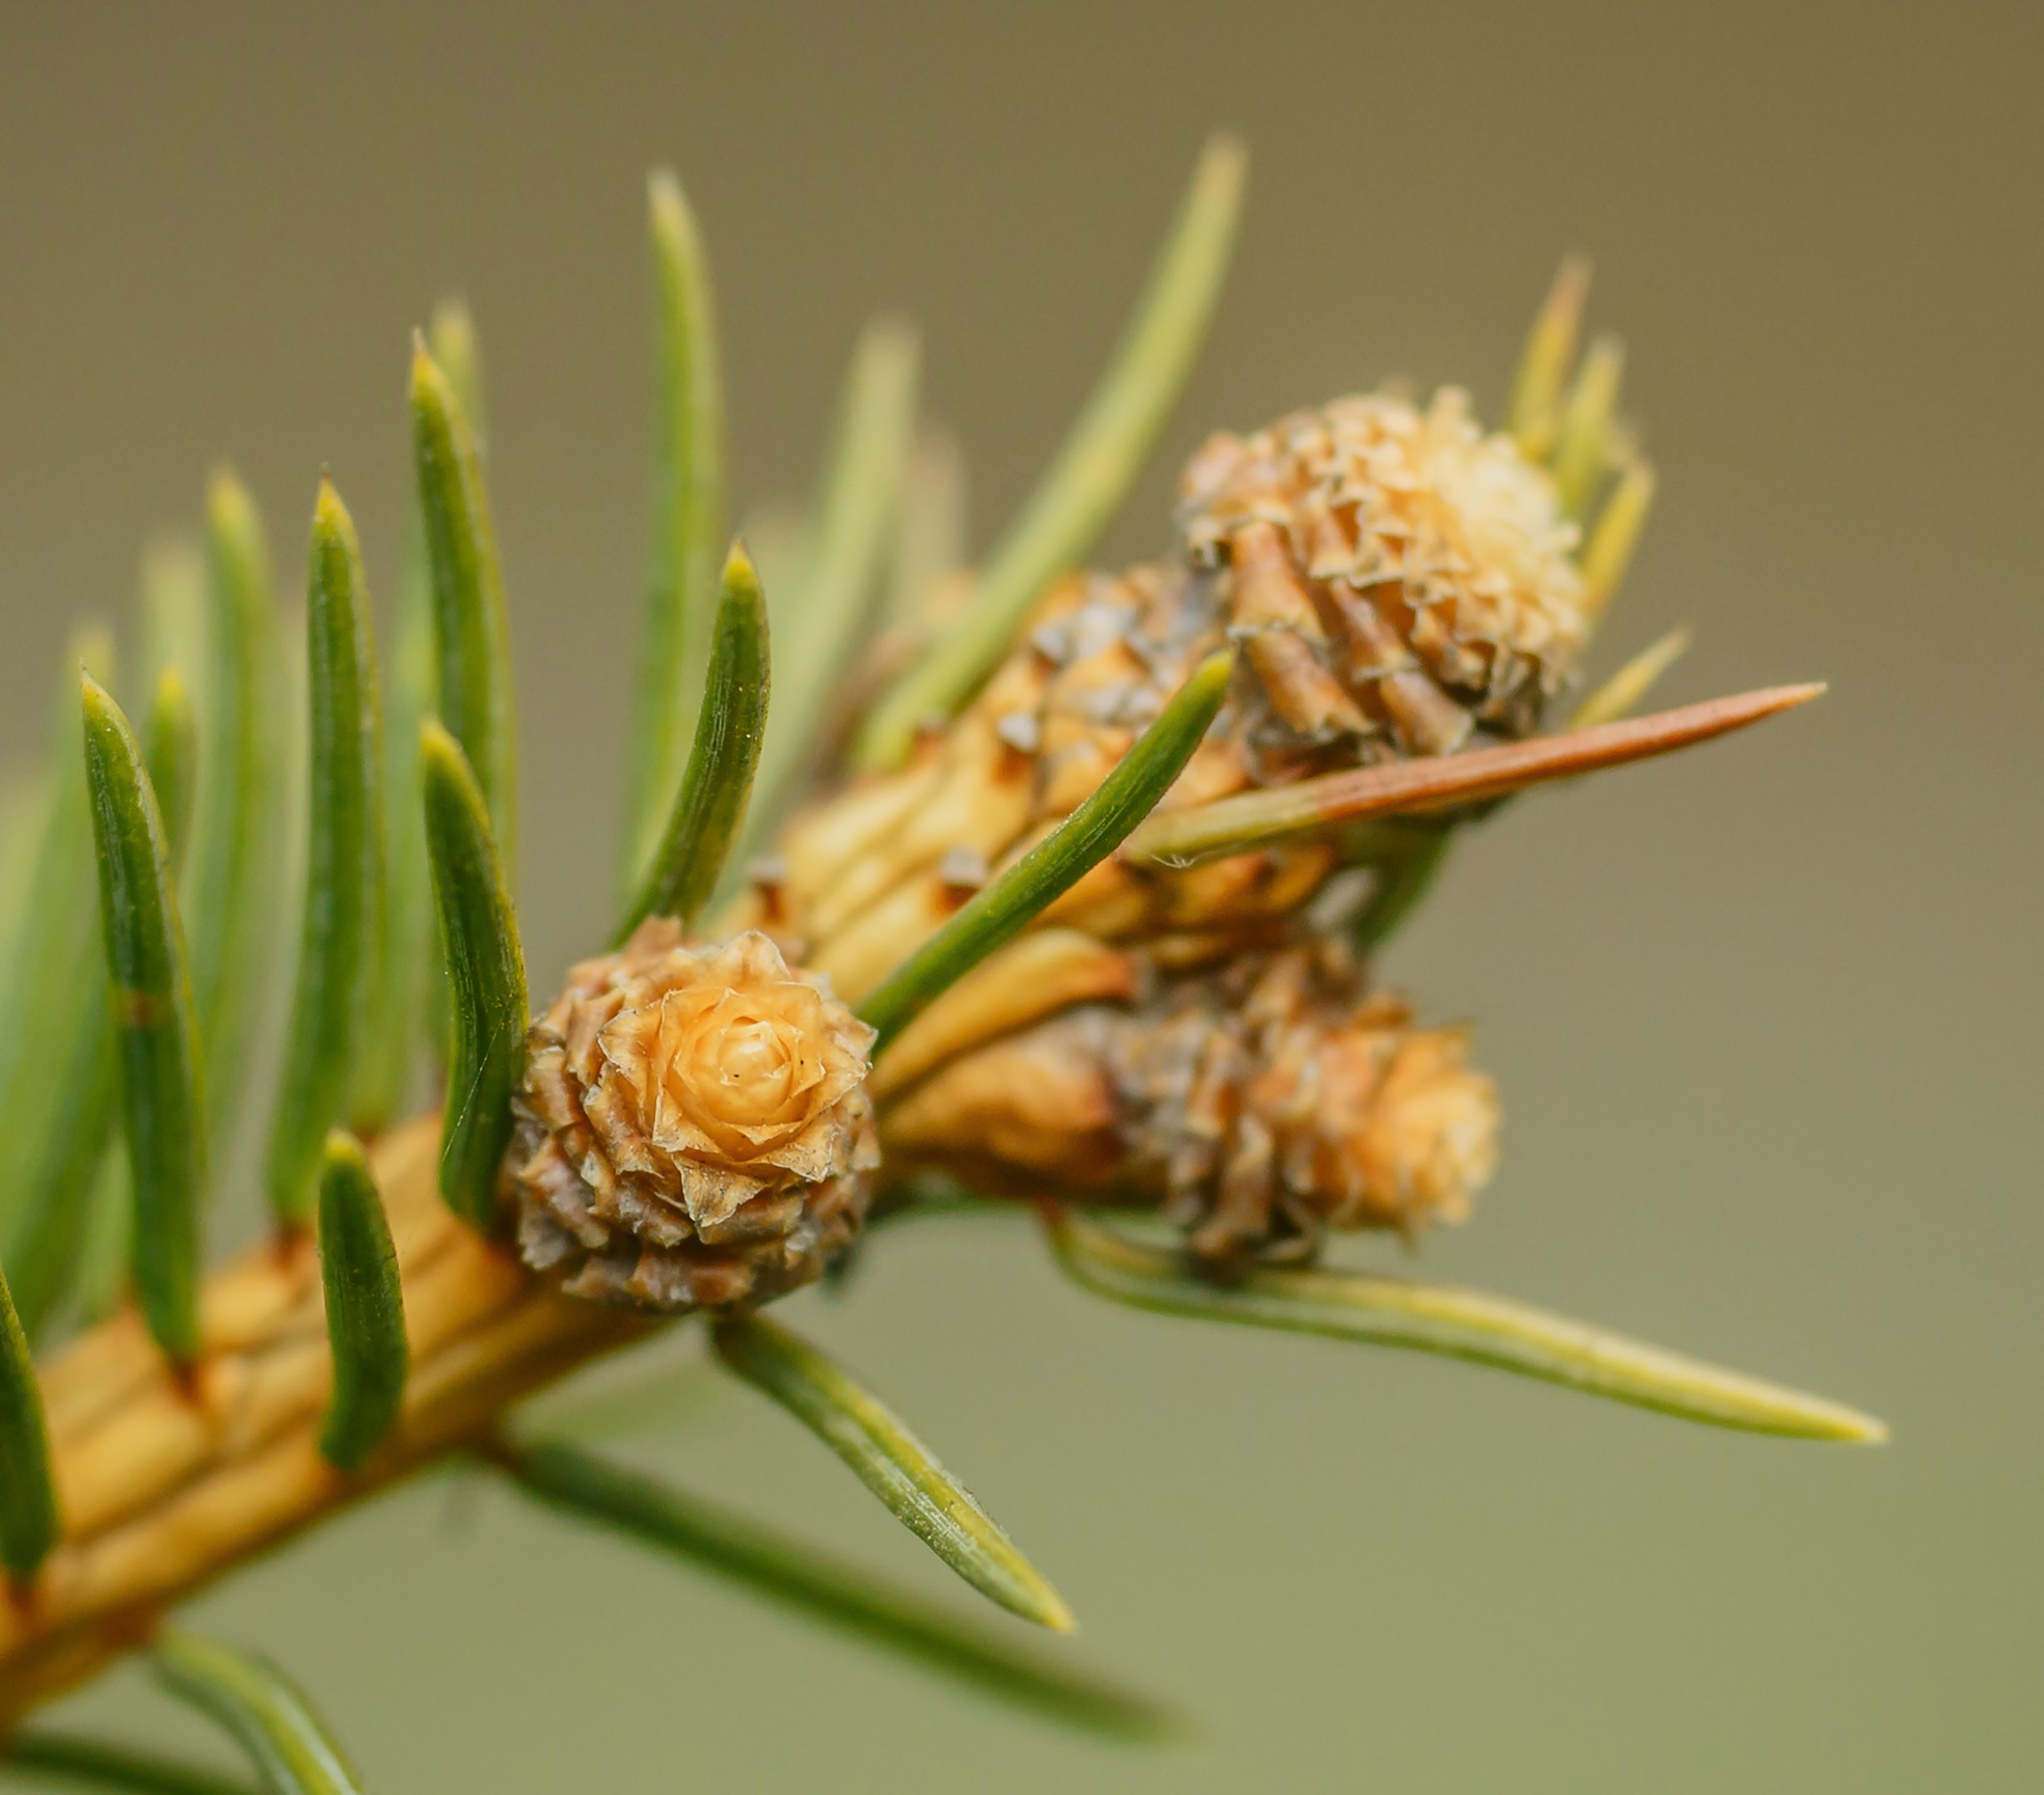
[1765, 1018]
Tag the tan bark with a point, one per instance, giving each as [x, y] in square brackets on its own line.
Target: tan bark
[165, 1482]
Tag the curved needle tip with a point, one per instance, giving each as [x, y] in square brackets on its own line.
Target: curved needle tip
[436, 742]
[451, 317]
[1225, 156]
[667, 199]
[878, 1447]
[1264, 819]
[227, 499]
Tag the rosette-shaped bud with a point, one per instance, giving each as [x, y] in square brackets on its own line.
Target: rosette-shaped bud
[693, 1128]
[1398, 577]
[1260, 1104]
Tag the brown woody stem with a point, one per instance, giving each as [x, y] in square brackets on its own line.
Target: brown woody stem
[164, 1484]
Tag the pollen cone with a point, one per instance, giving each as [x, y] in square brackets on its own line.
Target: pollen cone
[1400, 583]
[1399, 576]
[1258, 1104]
